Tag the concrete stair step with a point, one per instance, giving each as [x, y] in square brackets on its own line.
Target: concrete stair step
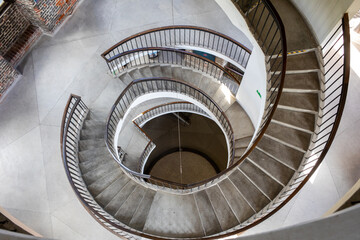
[114, 205]
[136, 74]
[302, 101]
[238, 204]
[90, 165]
[289, 135]
[126, 78]
[306, 81]
[243, 142]
[295, 62]
[239, 120]
[177, 73]
[94, 133]
[93, 154]
[146, 72]
[103, 169]
[208, 217]
[139, 218]
[156, 70]
[267, 184]
[102, 183]
[209, 86]
[166, 71]
[88, 124]
[91, 144]
[112, 190]
[224, 100]
[249, 191]
[192, 77]
[298, 119]
[287, 155]
[174, 216]
[128, 208]
[239, 152]
[279, 171]
[224, 213]
[298, 34]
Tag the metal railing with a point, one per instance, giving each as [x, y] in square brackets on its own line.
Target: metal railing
[73, 118]
[336, 70]
[172, 107]
[140, 87]
[157, 55]
[182, 37]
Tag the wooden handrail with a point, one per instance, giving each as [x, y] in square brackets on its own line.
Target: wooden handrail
[174, 27]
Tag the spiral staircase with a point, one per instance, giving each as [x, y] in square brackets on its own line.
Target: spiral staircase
[266, 165]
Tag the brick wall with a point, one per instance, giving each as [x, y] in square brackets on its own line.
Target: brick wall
[7, 75]
[12, 25]
[47, 14]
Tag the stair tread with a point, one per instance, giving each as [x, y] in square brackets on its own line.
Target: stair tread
[93, 133]
[303, 61]
[146, 72]
[173, 216]
[306, 101]
[126, 78]
[309, 81]
[208, 217]
[98, 172]
[113, 206]
[102, 183]
[238, 204]
[135, 74]
[139, 218]
[91, 144]
[278, 170]
[253, 195]
[298, 119]
[110, 192]
[223, 212]
[291, 136]
[243, 142]
[90, 154]
[268, 185]
[128, 208]
[240, 121]
[285, 154]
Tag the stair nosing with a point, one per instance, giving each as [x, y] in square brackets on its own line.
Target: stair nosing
[275, 158]
[264, 171]
[253, 183]
[285, 143]
[242, 195]
[291, 126]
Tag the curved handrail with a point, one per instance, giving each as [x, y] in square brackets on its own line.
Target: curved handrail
[143, 86]
[142, 56]
[74, 115]
[180, 35]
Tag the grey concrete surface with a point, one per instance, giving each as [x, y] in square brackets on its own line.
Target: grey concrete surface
[34, 186]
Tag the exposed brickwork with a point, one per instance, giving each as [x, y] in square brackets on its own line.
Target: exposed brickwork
[47, 14]
[7, 75]
[22, 45]
[12, 26]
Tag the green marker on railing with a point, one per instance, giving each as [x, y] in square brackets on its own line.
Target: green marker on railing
[258, 93]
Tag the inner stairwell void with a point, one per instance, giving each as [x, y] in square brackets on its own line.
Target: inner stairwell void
[267, 163]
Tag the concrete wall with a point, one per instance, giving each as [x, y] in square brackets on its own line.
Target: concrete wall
[322, 15]
[343, 225]
[255, 75]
